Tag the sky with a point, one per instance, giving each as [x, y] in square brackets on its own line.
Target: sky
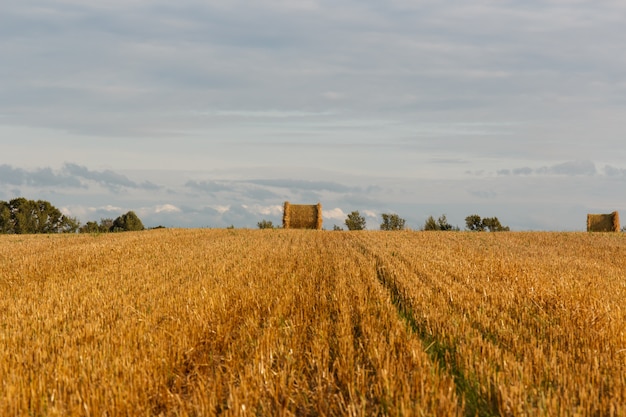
[214, 113]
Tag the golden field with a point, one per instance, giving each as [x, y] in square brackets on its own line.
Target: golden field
[288, 322]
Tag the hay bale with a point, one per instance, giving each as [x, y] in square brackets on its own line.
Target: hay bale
[302, 216]
[603, 222]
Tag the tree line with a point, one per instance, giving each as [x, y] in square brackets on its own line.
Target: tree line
[392, 221]
[22, 216]
[474, 223]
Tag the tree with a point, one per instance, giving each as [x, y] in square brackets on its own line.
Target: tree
[431, 224]
[265, 224]
[5, 217]
[106, 225]
[28, 216]
[128, 222]
[89, 227]
[337, 228]
[355, 221]
[440, 224]
[392, 222]
[474, 223]
[492, 224]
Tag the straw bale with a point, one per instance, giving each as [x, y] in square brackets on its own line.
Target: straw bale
[302, 216]
[603, 222]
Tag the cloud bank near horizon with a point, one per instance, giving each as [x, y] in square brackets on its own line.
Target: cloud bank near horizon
[184, 202]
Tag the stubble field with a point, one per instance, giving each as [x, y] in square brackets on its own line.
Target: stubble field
[287, 322]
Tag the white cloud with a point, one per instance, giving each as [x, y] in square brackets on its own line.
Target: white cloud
[221, 209]
[272, 210]
[334, 214]
[108, 208]
[167, 208]
[370, 213]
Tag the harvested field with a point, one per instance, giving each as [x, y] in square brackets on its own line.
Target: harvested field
[301, 322]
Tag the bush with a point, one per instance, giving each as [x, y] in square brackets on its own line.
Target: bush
[128, 222]
[265, 224]
[476, 224]
[392, 222]
[355, 221]
[440, 224]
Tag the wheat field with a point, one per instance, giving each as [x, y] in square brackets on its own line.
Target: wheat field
[313, 323]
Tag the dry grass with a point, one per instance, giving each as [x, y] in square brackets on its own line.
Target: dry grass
[603, 222]
[288, 322]
[302, 216]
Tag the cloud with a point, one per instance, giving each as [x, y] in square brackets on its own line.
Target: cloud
[612, 171]
[106, 178]
[334, 214]
[483, 194]
[273, 210]
[40, 177]
[167, 208]
[570, 168]
[108, 208]
[305, 185]
[207, 186]
[522, 171]
[370, 213]
[69, 176]
[573, 168]
[272, 114]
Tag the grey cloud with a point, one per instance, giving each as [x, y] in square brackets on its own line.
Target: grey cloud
[149, 185]
[106, 178]
[70, 176]
[41, 177]
[262, 194]
[483, 194]
[523, 171]
[612, 171]
[574, 168]
[300, 185]
[247, 189]
[112, 59]
[570, 168]
[515, 171]
[207, 186]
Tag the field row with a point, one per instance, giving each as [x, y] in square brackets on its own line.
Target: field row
[527, 324]
[287, 322]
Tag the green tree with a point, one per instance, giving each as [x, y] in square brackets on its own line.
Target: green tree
[392, 222]
[5, 218]
[474, 223]
[430, 224]
[90, 227]
[440, 224]
[355, 221]
[128, 222]
[28, 216]
[106, 225]
[492, 224]
[265, 224]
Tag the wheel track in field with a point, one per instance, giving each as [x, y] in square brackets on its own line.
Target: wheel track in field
[441, 352]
